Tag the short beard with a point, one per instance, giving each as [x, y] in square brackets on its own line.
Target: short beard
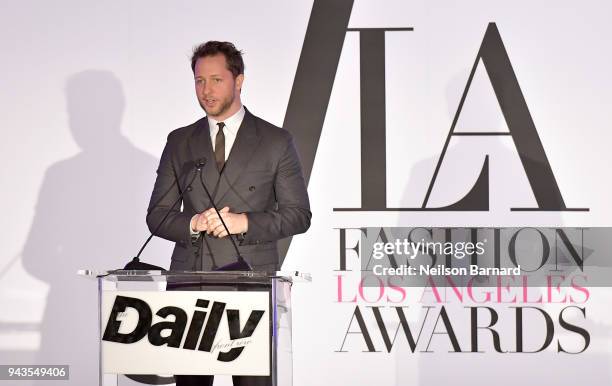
[222, 109]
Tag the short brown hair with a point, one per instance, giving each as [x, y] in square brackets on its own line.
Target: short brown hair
[233, 57]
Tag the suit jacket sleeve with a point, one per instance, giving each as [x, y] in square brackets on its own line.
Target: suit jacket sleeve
[292, 213]
[166, 192]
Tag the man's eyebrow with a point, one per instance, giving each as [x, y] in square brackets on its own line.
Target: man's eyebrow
[211, 75]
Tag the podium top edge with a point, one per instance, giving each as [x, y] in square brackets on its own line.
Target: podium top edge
[293, 276]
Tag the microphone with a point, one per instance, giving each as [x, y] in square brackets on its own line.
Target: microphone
[135, 263]
[240, 264]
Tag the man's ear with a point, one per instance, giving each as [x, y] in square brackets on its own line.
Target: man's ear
[239, 80]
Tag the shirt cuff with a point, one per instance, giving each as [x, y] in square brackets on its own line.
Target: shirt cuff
[194, 235]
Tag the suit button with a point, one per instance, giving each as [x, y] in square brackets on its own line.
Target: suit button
[251, 188]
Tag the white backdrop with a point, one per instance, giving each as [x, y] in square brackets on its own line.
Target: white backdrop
[90, 91]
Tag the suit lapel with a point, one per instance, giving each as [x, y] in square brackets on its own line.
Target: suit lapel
[201, 146]
[244, 146]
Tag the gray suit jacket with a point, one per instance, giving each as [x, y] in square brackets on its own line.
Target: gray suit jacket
[262, 177]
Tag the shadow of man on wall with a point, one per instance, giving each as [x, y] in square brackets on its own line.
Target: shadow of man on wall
[89, 214]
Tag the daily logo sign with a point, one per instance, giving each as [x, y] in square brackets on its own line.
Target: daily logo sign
[186, 332]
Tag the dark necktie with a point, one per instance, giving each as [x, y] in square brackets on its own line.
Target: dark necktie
[220, 147]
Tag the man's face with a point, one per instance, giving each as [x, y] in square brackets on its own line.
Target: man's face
[216, 88]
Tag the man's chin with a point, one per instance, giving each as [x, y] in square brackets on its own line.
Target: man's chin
[212, 112]
[216, 112]
[209, 112]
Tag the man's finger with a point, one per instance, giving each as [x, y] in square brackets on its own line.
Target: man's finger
[202, 224]
[213, 223]
[197, 224]
[219, 230]
[210, 227]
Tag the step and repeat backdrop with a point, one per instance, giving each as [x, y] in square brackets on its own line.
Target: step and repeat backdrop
[411, 118]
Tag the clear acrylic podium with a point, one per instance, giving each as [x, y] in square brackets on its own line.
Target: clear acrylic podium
[154, 324]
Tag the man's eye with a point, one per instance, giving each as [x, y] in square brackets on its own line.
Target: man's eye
[217, 80]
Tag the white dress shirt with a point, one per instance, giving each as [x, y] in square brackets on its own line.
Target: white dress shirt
[232, 124]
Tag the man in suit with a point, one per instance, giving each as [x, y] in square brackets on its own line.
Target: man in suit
[251, 170]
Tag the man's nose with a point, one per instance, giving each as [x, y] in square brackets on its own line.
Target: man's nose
[206, 88]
